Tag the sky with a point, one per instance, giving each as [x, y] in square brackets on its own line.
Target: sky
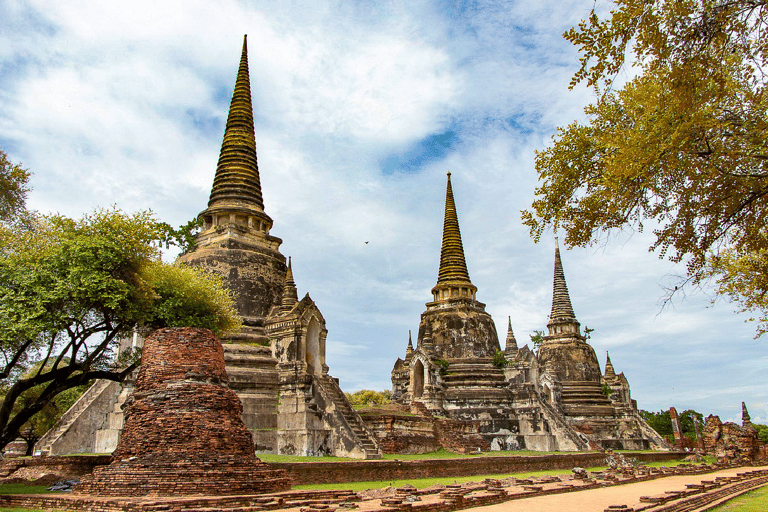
[361, 108]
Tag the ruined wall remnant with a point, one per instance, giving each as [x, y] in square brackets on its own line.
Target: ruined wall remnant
[731, 441]
[183, 430]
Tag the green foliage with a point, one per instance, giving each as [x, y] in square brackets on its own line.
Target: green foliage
[658, 421]
[537, 338]
[607, 390]
[499, 360]
[70, 288]
[442, 364]
[366, 397]
[661, 422]
[683, 144]
[182, 237]
[762, 432]
[13, 189]
[687, 419]
[187, 297]
[44, 420]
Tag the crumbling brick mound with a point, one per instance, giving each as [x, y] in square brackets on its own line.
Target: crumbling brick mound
[730, 441]
[183, 429]
[184, 418]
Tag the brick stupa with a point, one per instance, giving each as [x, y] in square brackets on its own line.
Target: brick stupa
[183, 432]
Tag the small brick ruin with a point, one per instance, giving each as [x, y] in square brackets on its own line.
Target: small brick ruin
[732, 442]
[183, 432]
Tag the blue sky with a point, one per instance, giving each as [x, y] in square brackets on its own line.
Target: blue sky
[361, 108]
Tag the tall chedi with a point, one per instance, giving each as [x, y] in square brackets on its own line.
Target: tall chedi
[460, 326]
[454, 330]
[234, 241]
[565, 350]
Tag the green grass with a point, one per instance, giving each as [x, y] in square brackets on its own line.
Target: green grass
[20, 510]
[421, 483]
[272, 457]
[23, 489]
[442, 454]
[439, 454]
[753, 501]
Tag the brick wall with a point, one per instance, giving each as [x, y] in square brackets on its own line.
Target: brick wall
[302, 473]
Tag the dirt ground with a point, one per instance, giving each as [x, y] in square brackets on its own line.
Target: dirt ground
[597, 500]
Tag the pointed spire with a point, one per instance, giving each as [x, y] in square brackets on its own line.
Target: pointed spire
[290, 293]
[409, 350]
[511, 345]
[562, 319]
[745, 419]
[237, 173]
[610, 372]
[453, 266]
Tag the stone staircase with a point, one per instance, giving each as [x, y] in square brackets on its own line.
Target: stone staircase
[45, 444]
[474, 375]
[585, 399]
[106, 438]
[365, 439]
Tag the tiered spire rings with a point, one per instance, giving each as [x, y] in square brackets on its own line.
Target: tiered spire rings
[452, 278]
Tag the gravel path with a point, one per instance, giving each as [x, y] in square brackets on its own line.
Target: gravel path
[597, 500]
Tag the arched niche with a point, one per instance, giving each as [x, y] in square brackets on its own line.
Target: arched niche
[314, 353]
[417, 379]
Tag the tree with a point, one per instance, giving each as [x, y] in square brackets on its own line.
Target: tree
[683, 145]
[47, 417]
[762, 432]
[13, 189]
[660, 421]
[367, 397]
[537, 338]
[687, 419]
[70, 289]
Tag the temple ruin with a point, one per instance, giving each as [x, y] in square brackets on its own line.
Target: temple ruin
[732, 442]
[280, 350]
[550, 399]
[468, 393]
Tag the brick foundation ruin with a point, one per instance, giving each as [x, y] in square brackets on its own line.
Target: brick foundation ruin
[732, 442]
[183, 432]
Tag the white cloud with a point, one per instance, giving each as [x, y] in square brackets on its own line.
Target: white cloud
[126, 104]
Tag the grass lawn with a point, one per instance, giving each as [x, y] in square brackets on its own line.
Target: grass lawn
[753, 501]
[421, 483]
[439, 454]
[20, 510]
[24, 489]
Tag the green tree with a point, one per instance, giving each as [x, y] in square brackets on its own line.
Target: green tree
[13, 189]
[70, 288]
[687, 419]
[762, 432]
[367, 397]
[660, 421]
[537, 338]
[682, 146]
[45, 419]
